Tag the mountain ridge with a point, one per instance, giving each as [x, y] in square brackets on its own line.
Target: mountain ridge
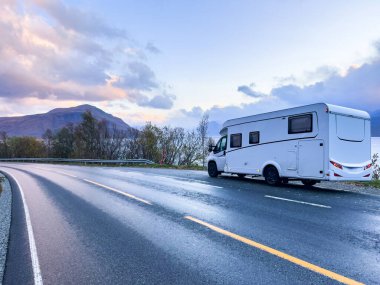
[35, 125]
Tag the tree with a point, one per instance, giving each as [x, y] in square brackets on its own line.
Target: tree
[190, 151]
[63, 142]
[26, 147]
[112, 141]
[171, 141]
[48, 139]
[148, 141]
[131, 148]
[202, 132]
[4, 149]
[86, 138]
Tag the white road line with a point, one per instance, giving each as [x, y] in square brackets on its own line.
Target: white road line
[190, 180]
[65, 173]
[32, 243]
[59, 172]
[295, 201]
[118, 191]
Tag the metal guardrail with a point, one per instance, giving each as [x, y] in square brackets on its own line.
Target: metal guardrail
[84, 161]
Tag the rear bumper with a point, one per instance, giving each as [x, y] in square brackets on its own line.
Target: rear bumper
[341, 175]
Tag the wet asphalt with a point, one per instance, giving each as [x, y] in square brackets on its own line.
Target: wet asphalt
[87, 234]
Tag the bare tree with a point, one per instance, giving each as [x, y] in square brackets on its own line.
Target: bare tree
[190, 151]
[171, 142]
[202, 132]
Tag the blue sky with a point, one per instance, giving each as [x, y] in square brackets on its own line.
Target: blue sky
[169, 61]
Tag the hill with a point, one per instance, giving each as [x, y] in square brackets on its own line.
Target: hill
[36, 125]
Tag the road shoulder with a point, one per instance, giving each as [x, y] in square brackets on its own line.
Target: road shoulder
[5, 221]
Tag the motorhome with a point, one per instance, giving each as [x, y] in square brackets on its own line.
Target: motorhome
[308, 143]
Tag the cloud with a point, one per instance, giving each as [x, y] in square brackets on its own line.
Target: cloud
[164, 101]
[77, 20]
[65, 53]
[152, 48]
[140, 77]
[358, 88]
[195, 112]
[247, 90]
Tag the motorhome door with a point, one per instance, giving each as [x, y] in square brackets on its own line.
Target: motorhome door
[310, 158]
[220, 153]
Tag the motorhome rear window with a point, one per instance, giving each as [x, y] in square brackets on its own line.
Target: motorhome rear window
[300, 124]
[235, 140]
[254, 137]
[350, 129]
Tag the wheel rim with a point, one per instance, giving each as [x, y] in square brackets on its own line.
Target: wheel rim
[272, 176]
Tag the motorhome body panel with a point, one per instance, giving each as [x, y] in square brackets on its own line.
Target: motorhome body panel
[350, 147]
[277, 146]
[278, 139]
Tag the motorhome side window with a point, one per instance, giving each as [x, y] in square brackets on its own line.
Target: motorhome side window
[254, 137]
[221, 145]
[300, 124]
[217, 147]
[235, 140]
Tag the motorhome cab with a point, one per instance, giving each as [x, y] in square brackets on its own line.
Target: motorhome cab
[309, 143]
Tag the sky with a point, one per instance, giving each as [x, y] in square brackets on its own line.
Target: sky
[171, 61]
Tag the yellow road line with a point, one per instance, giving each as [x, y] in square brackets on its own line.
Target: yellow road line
[118, 191]
[278, 253]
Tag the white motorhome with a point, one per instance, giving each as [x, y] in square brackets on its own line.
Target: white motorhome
[309, 143]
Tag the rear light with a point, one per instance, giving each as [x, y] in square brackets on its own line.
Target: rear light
[367, 175]
[336, 164]
[337, 175]
[367, 166]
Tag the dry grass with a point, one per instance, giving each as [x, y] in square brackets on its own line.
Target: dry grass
[372, 183]
[1, 181]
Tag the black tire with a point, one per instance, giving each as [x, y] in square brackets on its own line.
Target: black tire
[308, 182]
[271, 175]
[212, 169]
[241, 175]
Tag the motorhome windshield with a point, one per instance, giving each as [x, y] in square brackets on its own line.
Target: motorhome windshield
[350, 128]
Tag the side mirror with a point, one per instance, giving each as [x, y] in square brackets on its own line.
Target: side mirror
[210, 147]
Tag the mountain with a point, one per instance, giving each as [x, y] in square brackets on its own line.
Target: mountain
[375, 124]
[36, 125]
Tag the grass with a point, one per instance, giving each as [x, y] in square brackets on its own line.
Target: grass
[166, 166]
[1, 185]
[372, 183]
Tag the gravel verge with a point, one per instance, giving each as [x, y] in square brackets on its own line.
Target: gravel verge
[349, 187]
[5, 222]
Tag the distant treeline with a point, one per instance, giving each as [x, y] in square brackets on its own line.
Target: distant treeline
[93, 139]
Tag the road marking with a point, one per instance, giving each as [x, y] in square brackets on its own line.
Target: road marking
[55, 171]
[32, 243]
[296, 201]
[278, 253]
[189, 180]
[65, 173]
[118, 191]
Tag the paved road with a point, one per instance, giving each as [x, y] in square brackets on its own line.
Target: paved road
[99, 225]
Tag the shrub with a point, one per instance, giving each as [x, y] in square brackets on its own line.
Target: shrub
[376, 168]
